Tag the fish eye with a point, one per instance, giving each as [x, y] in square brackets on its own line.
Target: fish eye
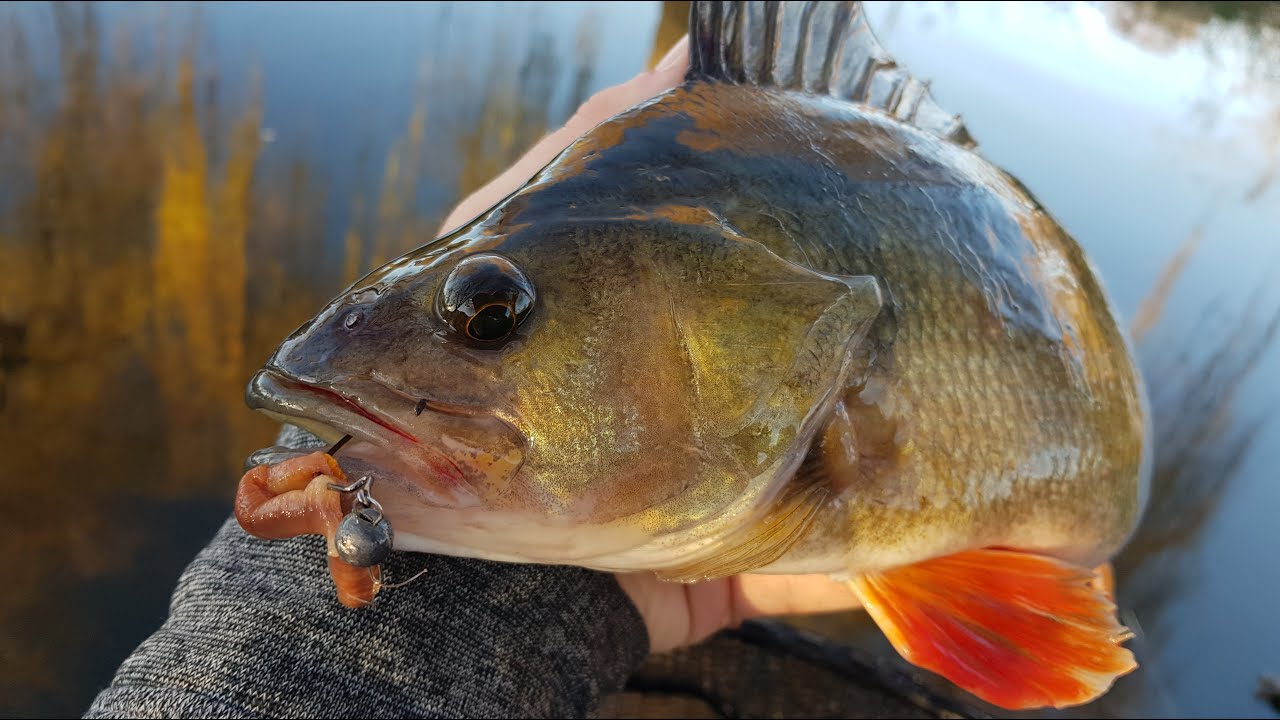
[485, 297]
[491, 323]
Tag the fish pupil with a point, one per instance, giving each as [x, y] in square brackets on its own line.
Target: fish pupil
[492, 322]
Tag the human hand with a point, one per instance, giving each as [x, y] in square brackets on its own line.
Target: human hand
[675, 614]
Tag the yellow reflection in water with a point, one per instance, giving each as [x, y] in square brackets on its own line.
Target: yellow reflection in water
[147, 267]
[200, 271]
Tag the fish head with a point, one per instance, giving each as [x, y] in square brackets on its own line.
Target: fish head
[567, 388]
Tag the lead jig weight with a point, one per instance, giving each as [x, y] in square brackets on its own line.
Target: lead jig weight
[364, 537]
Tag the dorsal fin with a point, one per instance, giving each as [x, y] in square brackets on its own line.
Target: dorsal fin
[821, 48]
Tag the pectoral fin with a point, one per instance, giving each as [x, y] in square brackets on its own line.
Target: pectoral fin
[1016, 629]
[761, 543]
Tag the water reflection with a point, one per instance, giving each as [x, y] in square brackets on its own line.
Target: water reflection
[157, 242]
[180, 187]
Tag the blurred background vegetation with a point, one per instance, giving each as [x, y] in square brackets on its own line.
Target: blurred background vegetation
[181, 185]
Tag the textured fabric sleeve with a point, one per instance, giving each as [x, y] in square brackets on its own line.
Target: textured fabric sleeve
[255, 631]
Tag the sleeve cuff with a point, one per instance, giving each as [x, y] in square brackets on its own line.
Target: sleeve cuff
[255, 630]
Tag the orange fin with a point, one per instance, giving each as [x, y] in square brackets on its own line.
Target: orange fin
[1016, 629]
[1104, 580]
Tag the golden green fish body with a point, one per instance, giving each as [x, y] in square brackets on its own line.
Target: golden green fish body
[995, 401]
[745, 298]
[781, 319]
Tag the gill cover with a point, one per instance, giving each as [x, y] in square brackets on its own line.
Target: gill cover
[767, 344]
[767, 341]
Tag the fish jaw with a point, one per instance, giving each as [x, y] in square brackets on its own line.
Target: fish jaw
[624, 544]
[382, 447]
[438, 503]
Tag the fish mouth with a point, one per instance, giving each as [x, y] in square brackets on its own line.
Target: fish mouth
[380, 447]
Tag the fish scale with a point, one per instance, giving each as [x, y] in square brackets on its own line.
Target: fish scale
[781, 319]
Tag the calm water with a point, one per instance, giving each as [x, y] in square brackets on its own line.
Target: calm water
[180, 186]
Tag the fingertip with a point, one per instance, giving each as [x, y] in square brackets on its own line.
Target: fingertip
[676, 57]
[763, 595]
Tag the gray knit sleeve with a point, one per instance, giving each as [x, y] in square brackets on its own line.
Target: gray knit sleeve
[255, 631]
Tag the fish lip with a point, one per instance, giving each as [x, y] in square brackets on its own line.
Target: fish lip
[271, 391]
[280, 395]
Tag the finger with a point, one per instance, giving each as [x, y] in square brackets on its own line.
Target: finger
[665, 607]
[759, 595]
[600, 107]
[709, 606]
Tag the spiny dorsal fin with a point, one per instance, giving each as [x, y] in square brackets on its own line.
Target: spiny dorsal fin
[821, 48]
